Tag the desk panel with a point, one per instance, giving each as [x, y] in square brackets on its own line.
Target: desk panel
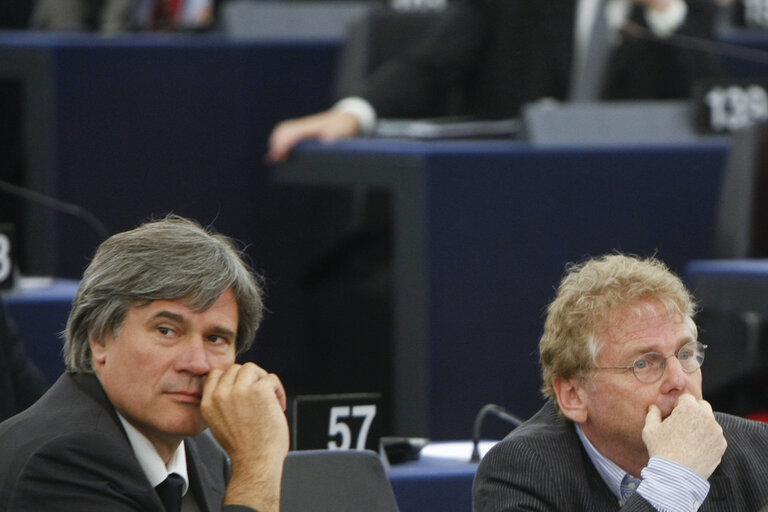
[433, 484]
[482, 231]
[41, 311]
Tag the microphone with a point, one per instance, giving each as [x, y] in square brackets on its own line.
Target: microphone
[634, 30]
[57, 205]
[495, 410]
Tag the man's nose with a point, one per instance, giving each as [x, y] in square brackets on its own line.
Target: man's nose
[194, 357]
[674, 376]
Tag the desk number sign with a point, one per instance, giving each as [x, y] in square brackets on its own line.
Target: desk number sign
[7, 264]
[336, 422]
[724, 106]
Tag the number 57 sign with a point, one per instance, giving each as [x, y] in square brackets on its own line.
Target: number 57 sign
[336, 422]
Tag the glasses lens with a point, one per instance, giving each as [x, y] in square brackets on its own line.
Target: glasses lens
[691, 356]
[649, 367]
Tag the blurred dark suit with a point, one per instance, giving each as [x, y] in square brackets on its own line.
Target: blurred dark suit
[21, 382]
[499, 54]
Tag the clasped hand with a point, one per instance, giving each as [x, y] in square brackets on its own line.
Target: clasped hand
[690, 435]
[244, 408]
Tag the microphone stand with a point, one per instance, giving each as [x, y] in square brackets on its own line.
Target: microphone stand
[56, 204]
[495, 410]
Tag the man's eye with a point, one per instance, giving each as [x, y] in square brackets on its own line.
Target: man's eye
[218, 340]
[165, 331]
[641, 364]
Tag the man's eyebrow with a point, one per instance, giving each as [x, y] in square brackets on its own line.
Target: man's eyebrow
[224, 331]
[644, 349]
[176, 317]
[169, 315]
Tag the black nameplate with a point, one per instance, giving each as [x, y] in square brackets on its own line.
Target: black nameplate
[336, 422]
[724, 106]
[7, 261]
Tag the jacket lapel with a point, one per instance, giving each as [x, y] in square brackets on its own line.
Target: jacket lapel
[208, 488]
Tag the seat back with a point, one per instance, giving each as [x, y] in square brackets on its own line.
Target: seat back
[336, 481]
[741, 230]
[297, 20]
[375, 37]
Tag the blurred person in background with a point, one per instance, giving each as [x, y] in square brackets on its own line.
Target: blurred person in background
[21, 382]
[115, 16]
[487, 58]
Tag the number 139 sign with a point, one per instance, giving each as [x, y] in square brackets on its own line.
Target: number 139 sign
[336, 422]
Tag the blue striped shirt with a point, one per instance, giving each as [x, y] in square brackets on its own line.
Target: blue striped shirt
[666, 485]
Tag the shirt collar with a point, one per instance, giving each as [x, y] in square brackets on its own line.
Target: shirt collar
[617, 480]
[150, 460]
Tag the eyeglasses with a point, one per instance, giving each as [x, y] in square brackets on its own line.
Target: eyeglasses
[650, 367]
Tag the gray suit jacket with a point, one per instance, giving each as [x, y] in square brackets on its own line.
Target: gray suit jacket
[542, 466]
[69, 452]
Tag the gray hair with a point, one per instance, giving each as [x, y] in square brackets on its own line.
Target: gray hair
[169, 259]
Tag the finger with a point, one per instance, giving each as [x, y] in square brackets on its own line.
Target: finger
[211, 381]
[707, 406]
[279, 150]
[248, 375]
[227, 379]
[279, 390]
[254, 367]
[653, 417]
[686, 398]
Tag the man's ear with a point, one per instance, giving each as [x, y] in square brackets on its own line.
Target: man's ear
[98, 351]
[571, 398]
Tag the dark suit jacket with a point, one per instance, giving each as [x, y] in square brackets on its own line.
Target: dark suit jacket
[542, 466]
[486, 58]
[69, 452]
[21, 382]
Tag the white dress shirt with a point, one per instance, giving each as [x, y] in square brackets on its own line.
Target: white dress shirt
[666, 485]
[154, 467]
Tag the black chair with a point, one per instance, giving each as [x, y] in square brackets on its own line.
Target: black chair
[742, 216]
[336, 481]
[375, 37]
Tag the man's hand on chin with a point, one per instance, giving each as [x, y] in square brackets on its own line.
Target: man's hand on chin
[244, 408]
[689, 436]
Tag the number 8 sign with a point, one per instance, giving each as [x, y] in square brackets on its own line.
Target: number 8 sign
[6, 257]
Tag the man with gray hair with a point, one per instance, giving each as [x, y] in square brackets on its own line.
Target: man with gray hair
[625, 426]
[160, 315]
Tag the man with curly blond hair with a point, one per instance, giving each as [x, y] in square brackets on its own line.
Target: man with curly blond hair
[625, 426]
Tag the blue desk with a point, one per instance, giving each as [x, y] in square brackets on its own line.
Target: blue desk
[730, 285]
[482, 231]
[41, 313]
[435, 483]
